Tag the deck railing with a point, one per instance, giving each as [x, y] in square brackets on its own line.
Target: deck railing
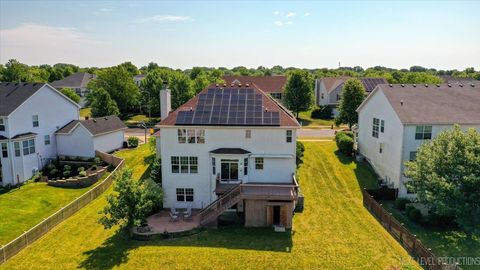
[221, 204]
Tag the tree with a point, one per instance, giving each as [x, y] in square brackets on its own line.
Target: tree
[353, 94]
[151, 86]
[15, 72]
[181, 87]
[119, 84]
[299, 91]
[71, 94]
[132, 202]
[130, 68]
[200, 82]
[156, 171]
[446, 176]
[102, 104]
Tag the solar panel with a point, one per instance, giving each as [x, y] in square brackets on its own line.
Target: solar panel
[229, 106]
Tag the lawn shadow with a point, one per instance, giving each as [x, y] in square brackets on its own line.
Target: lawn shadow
[343, 158]
[113, 252]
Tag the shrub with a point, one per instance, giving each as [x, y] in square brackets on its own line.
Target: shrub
[51, 166]
[132, 142]
[66, 173]
[300, 148]
[414, 214]
[97, 161]
[156, 171]
[400, 203]
[80, 169]
[82, 174]
[344, 142]
[53, 172]
[322, 112]
[93, 168]
[67, 168]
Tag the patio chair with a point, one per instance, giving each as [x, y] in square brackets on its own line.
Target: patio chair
[174, 211]
[187, 215]
[173, 217]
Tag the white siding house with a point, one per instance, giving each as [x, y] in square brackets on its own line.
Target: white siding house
[212, 144]
[28, 122]
[396, 119]
[80, 138]
[77, 82]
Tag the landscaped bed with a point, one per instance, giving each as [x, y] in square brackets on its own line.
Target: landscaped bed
[74, 172]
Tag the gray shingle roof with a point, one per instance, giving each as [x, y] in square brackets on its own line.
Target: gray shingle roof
[76, 80]
[95, 126]
[13, 95]
[434, 104]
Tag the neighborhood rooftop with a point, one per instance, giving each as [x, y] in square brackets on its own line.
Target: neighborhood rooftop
[434, 104]
[231, 105]
[13, 95]
[75, 80]
[268, 84]
[369, 83]
[95, 126]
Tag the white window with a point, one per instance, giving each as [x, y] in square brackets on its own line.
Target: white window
[413, 155]
[184, 164]
[4, 150]
[191, 136]
[245, 166]
[289, 136]
[16, 145]
[2, 125]
[382, 126]
[214, 168]
[375, 127]
[182, 135]
[28, 147]
[47, 140]
[248, 134]
[423, 132]
[201, 136]
[259, 163]
[185, 194]
[35, 120]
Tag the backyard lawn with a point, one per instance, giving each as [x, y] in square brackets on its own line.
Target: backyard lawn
[443, 242]
[305, 119]
[334, 232]
[24, 207]
[84, 112]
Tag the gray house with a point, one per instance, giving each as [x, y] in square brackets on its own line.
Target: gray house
[78, 82]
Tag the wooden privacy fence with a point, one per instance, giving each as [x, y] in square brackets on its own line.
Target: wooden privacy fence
[423, 255]
[28, 237]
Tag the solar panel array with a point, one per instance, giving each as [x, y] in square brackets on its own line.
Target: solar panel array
[229, 107]
[371, 83]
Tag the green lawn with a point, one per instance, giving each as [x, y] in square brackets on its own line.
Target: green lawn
[24, 207]
[443, 242]
[305, 119]
[136, 118]
[334, 232]
[85, 112]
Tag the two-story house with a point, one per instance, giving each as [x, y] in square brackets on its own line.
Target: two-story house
[232, 145]
[272, 85]
[328, 90]
[30, 114]
[77, 82]
[395, 120]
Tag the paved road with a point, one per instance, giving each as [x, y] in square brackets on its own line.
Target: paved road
[315, 132]
[137, 132]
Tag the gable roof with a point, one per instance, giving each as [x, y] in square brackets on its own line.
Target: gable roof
[458, 80]
[286, 118]
[268, 84]
[13, 95]
[331, 83]
[95, 126]
[75, 80]
[433, 104]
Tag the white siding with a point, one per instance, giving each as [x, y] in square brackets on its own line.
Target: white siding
[108, 142]
[263, 142]
[78, 143]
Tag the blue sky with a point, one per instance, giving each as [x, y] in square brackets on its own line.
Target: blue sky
[183, 34]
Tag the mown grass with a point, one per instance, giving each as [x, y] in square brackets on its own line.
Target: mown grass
[305, 119]
[334, 232]
[443, 242]
[84, 112]
[22, 208]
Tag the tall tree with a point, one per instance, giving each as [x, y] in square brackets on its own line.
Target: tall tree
[299, 91]
[130, 68]
[181, 87]
[200, 82]
[118, 82]
[446, 176]
[353, 94]
[15, 72]
[102, 104]
[71, 94]
[151, 86]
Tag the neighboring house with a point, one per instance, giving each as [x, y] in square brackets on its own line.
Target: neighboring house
[395, 120]
[328, 90]
[80, 138]
[138, 79]
[230, 146]
[30, 113]
[458, 80]
[273, 85]
[77, 82]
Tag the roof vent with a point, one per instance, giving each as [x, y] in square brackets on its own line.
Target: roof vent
[106, 118]
[216, 84]
[461, 85]
[239, 85]
[231, 84]
[191, 109]
[94, 120]
[403, 85]
[224, 85]
[449, 85]
[391, 85]
[472, 85]
[247, 85]
[426, 85]
[414, 85]
[401, 102]
[438, 85]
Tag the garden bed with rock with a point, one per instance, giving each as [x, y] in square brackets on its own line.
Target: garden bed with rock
[74, 173]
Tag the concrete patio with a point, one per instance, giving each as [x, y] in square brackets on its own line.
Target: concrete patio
[162, 222]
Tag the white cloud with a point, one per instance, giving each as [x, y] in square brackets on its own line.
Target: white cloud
[278, 23]
[165, 18]
[307, 14]
[102, 11]
[276, 12]
[290, 15]
[37, 44]
[289, 22]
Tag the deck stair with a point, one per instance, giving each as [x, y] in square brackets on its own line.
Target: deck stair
[220, 205]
